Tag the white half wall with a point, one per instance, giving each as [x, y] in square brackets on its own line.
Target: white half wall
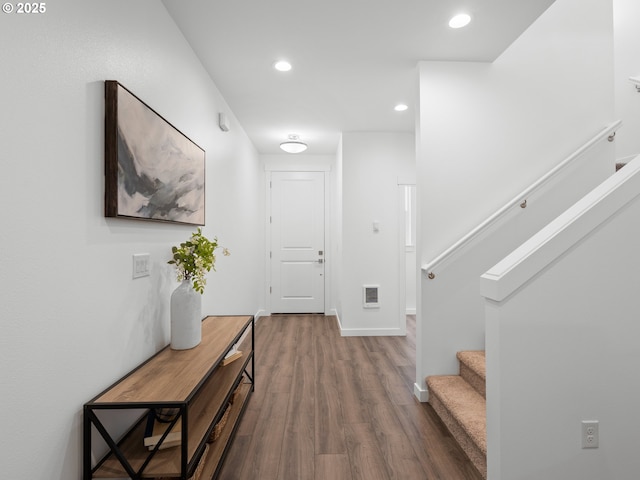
[562, 343]
[372, 163]
[73, 319]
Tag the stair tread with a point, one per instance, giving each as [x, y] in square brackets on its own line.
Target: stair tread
[474, 360]
[465, 405]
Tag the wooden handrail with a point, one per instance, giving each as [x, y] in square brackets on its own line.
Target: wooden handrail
[606, 133]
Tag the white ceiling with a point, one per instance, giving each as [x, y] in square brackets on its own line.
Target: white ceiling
[353, 60]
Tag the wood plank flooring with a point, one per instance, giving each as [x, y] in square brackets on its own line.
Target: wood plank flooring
[338, 408]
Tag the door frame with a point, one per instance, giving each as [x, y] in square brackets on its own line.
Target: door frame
[402, 252]
[328, 262]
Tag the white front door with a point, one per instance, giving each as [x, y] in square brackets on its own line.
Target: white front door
[297, 242]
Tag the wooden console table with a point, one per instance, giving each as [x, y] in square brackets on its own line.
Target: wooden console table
[195, 385]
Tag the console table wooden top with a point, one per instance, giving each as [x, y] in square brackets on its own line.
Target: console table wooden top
[174, 375]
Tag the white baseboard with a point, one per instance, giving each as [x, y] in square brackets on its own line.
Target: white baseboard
[368, 332]
[372, 332]
[334, 313]
[422, 394]
[410, 311]
[260, 313]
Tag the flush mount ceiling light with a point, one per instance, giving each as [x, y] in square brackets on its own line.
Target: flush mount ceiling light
[460, 20]
[401, 107]
[282, 66]
[293, 145]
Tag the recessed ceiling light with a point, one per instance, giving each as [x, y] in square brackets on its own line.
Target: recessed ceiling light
[401, 107]
[282, 66]
[459, 21]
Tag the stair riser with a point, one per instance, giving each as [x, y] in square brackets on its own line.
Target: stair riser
[466, 443]
[473, 379]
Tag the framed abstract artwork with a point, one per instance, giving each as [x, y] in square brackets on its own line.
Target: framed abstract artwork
[152, 170]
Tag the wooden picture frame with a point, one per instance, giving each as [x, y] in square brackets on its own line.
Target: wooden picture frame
[152, 170]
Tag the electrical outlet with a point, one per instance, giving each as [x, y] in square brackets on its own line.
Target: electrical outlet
[590, 434]
[141, 265]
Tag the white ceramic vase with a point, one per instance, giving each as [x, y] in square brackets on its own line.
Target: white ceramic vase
[186, 317]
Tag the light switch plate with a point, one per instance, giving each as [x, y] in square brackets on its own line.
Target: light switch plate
[141, 265]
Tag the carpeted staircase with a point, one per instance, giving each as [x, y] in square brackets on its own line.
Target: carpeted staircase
[460, 401]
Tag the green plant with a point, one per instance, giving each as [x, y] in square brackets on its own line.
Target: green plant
[195, 258]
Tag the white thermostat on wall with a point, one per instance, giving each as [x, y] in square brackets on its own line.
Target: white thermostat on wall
[370, 296]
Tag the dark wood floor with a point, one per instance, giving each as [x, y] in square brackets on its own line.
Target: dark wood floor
[338, 408]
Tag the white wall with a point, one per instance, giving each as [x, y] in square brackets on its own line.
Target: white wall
[298, 162]
[372, 163]
[73, 319]
[487, 131]
[627, 64]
